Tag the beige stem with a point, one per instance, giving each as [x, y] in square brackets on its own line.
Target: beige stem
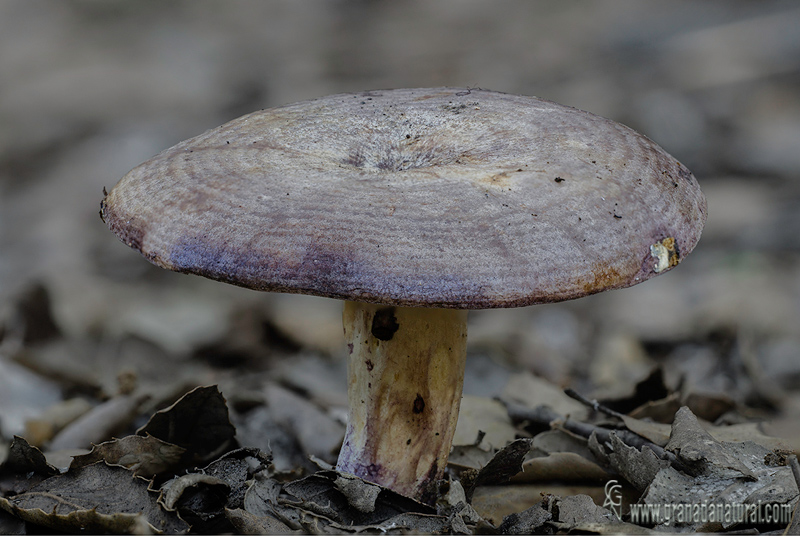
[405, 375]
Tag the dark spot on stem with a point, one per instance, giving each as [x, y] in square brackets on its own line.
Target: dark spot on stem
[369, 364]
[419, 404]
[384, 324]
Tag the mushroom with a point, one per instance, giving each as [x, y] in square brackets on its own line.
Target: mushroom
[413, 206]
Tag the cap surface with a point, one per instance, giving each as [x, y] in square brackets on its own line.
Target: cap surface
[440, 197]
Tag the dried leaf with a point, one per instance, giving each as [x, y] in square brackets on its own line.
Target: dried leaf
[650, 388]
[604, 528]
[662, 410]
[580, 509]
[481, 414]
[24, 467]
[656, 432]
[407, 523]
[638, 467]
[41, 429]
[146, 456]
[721, 473]
[258, 428]
[95, 498]
[505, 464]
[246, 523]
[469, 457]
[321, 495]
[317, 432]
[529, 521]
[531, 391]
[708, 406]
[98, 424]
[236, 468]
[747, 432]
[561, 467]
[360, 495]
[23, 458]
[699, 450]
[197, 422]
[202, 497]
[561, 456]
[172, 491]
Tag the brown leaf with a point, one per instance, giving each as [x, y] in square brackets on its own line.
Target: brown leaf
[700, 451]
[197, 422]
[246, 523]
[333, 495]
[482, 414]
[96, 498]
[24, 467]
[316, 431]
[529, 521]
[718, 473]
[505, 464]
[98, 424]
[146, 456]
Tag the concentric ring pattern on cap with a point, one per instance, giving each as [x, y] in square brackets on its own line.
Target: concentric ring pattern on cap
[440, 197]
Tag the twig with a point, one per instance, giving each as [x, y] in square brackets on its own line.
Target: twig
[543, 415]
[594, 404]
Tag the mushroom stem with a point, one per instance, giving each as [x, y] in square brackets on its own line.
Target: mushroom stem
[405, 375]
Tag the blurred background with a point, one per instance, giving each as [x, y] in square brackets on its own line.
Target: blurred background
[89, 89]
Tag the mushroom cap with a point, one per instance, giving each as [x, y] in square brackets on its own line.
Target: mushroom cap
[439, 197]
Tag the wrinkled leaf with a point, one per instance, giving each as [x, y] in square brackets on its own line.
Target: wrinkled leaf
[650, 388]
[197, 422]
[202, 496]
[604, 528]
[560, 467]
[719, 473]
[320, 494]
[505, 464]
[453, 501]
[407, 523]
[699, 450]
[173, 490]
[23, 458]
[557, 455]
[95, 498]
[469, 457]
[577, 509]
[25, 466]
[639, 467]
[258, 428]
[529, 521]
[662, 410]
[246, 523]
[146, 456]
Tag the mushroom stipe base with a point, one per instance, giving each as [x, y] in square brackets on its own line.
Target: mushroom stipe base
[405, 377]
